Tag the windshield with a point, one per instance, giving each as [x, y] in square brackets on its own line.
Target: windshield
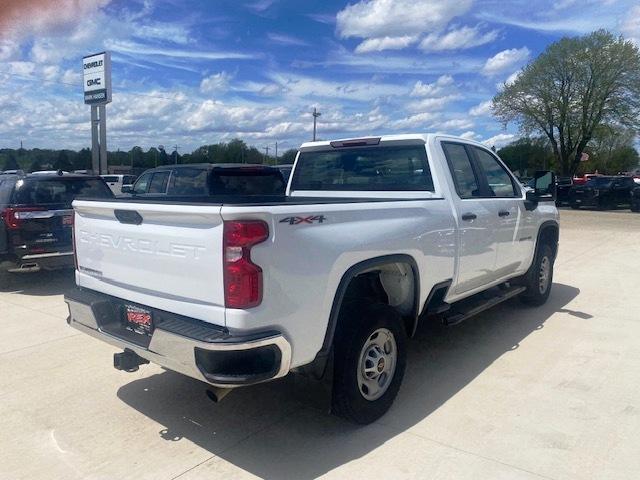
[364, 169]
[60, 190]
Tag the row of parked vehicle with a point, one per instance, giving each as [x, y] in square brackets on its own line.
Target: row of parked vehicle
[36, 216]
[599, 191]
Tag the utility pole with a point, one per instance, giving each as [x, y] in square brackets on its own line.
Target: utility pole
[276, 152]
[315, 114]
[266, 155]
[175, 152]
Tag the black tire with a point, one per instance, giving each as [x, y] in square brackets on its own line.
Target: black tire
[535, 294]
[635, 205]
[358, 322]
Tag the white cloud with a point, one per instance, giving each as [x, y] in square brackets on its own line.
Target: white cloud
[457, 39]
[377, 19]
[216, 83]
[282, 39]
[386, 43]
[470, 135]
[430, 89]
[499, 140]
[456, 124]
[630, 28]
[505, 60]
[418, 120]
[142, 49]
[480, 110]
[435, 103]
[8, 49]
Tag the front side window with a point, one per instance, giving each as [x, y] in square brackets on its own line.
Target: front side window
[393, 168]
[500, 182]
[461, 170]
[159, 182]
[142, 185]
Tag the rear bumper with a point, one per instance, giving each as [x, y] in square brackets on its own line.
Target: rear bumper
[191, 347]
[36, 261]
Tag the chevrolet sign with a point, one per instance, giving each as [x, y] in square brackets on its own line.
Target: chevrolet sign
[96, 76]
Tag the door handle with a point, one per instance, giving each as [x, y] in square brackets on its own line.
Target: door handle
[503, 213]
[469, 216]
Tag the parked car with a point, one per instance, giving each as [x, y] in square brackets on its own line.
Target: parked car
[206, 179]
[602, 192]
[563, 186]
[585, 178]
[285, 170]
[117, 182]
[635, 199]
[36, 218]
[374, 235]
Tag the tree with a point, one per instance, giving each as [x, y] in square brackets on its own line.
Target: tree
[576, 85]
[11, 163]
[288, 157]
[36, 166]
[63, 162]
[527, 155]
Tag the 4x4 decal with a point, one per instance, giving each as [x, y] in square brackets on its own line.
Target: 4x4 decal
[299, 220]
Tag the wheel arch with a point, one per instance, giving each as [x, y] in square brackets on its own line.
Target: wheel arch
[549, 232]
[350, 274]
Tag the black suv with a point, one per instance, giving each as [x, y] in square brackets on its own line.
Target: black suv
[36, 218]
[206, 179]
[635, 199]
[602, 192]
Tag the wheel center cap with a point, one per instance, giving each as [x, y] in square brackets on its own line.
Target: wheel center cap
[380, 365]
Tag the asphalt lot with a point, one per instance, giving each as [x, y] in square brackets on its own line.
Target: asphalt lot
[552, 392]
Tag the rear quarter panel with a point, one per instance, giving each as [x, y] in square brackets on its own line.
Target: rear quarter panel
[303, 263]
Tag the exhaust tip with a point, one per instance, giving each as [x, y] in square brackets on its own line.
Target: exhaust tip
[217, 394]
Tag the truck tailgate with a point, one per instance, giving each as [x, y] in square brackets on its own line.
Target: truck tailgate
[170, 255]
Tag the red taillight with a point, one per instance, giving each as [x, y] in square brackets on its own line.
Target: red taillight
[242, 277]
[12, 216]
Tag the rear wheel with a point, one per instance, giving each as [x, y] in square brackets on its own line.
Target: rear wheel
[539, 278]
[370, 359]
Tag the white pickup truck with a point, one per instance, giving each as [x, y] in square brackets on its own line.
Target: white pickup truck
[372, 236]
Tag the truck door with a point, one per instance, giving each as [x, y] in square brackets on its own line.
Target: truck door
[476, 220]
[514, 225]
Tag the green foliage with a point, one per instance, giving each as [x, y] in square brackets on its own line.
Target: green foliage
[10, 162]
[527, 155]
[288, 157]
[575, 86]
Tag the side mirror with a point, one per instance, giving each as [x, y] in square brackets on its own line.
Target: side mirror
[127, 189]
[544, 189]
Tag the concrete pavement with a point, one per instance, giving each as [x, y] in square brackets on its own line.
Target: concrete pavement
[552, 392]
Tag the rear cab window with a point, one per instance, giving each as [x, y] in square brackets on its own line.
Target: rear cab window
[247, 181]
[31, 191]
[379, 168]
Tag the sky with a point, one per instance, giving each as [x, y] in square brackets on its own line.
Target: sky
[196, 72]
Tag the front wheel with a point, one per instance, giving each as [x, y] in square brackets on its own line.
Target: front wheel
[370, 359]
[539, 278]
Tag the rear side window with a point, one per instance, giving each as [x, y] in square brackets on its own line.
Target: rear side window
[62, 191]
[247, 181]
[6, 187]
[462, 172]
[159, 182]
[364, 169]
[189, 181]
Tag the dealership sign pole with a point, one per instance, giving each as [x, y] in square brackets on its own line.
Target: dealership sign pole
[96, 76]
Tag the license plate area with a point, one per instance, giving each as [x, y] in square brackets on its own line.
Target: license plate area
[138, 320]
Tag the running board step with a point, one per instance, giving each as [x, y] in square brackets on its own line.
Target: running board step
[479, 303]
